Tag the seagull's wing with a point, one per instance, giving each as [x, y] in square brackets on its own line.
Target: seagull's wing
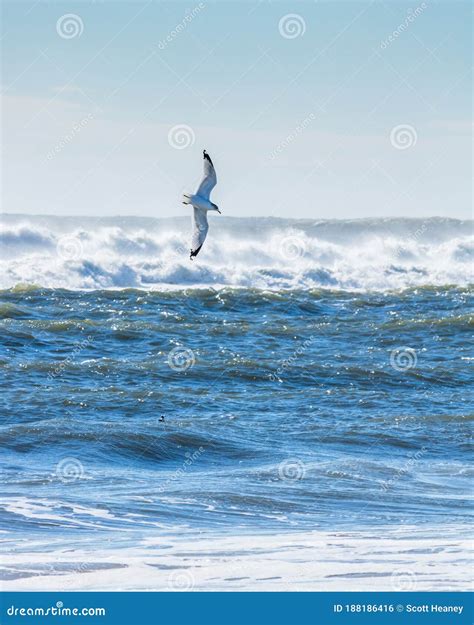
[209, 179]
[200, 228]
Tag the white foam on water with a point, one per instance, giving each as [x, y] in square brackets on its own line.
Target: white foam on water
[406, 559]
[61, 513]
[371, 254]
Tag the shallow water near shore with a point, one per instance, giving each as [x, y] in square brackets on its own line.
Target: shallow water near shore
[406, 559]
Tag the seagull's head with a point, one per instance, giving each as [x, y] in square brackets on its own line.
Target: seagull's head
[216, 208]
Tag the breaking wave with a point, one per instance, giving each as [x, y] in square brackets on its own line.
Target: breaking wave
[267, 253]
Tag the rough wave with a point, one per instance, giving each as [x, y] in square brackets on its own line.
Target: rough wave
[265, 253]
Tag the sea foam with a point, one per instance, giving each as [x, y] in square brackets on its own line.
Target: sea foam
[109, 253]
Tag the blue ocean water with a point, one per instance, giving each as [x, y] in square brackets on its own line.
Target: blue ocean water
[142, 391]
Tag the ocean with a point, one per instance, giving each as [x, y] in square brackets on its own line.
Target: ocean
[291, 410]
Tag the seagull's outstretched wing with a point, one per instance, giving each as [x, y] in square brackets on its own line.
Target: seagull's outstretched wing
[209, 180]
[200, 228]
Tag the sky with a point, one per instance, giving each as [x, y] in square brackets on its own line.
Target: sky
[309, 109]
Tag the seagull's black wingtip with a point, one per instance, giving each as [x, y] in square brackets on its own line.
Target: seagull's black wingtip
[194, 253]
[206, 156]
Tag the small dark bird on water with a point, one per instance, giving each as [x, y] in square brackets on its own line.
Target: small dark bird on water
[161, 419]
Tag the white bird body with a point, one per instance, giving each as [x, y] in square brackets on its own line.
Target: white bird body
[201, 205]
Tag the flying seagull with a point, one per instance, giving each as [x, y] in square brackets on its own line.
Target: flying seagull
[201, 204]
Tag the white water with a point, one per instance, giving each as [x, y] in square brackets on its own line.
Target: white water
[407, 559]
[368, 254]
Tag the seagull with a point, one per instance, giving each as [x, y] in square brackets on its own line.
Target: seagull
[201, 204]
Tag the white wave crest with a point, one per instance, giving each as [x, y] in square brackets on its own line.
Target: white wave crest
[262, 253]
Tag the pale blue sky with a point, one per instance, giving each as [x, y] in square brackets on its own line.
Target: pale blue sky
[297, 126]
